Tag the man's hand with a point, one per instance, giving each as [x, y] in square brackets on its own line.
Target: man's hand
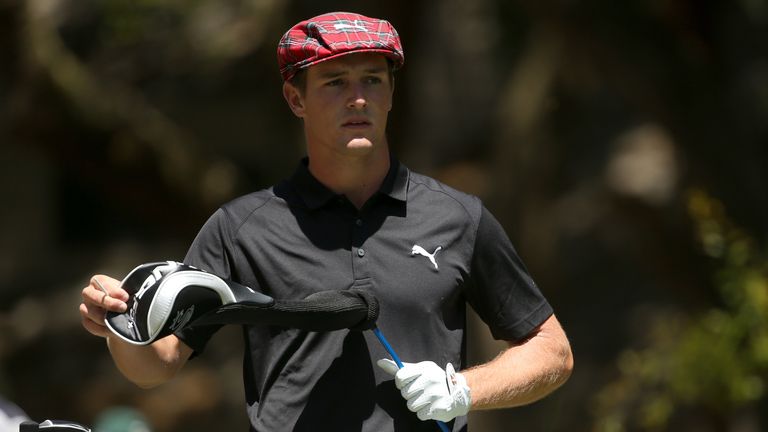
[146, 366]
[432, 393]
[96, 303]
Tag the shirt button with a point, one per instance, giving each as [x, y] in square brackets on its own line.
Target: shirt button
[360, 253]
[359, 222]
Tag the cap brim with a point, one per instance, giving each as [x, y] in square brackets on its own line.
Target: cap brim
[397, 61]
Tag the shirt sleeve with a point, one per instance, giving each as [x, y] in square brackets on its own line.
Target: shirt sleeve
[500, 289]
[210, 251]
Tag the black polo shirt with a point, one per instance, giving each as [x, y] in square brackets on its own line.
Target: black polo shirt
[423, 249]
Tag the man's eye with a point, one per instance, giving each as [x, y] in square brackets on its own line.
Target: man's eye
[373, 80]
[334, 83]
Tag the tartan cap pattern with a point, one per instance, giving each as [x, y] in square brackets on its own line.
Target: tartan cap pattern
[335, 34]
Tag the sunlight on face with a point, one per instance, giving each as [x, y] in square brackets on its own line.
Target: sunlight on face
[346, 104]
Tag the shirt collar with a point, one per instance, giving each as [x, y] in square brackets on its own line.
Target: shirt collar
[315, 194]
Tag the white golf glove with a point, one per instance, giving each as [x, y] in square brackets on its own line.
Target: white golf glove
[432, 393]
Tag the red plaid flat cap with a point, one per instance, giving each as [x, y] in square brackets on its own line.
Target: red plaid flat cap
[332, 35]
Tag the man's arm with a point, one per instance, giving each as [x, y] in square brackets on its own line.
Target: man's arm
[523, 373]
[146, 366]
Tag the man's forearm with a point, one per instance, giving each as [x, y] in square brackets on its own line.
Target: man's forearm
[524, 372]
[150, 365]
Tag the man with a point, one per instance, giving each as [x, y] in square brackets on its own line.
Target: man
[352, 216]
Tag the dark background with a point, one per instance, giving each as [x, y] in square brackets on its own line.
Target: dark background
[623, 145]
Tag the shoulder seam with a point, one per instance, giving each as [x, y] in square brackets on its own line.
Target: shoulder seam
[476, 223]
[248, 216]
[234, 233]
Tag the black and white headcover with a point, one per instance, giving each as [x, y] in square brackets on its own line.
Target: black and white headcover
[167, 296]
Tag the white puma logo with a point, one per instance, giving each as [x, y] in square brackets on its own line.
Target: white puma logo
[420, 251]
[356, 25]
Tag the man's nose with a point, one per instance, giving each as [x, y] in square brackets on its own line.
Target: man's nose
[357, 98]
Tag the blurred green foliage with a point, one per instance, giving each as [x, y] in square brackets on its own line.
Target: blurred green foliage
[715, 361]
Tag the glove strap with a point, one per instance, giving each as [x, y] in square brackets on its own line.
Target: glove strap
[458, 388]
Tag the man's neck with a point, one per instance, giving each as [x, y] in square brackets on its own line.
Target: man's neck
[356, 177]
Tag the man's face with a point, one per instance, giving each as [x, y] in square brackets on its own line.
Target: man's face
[345, 103]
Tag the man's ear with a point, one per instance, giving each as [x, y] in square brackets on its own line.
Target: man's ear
[294, 98]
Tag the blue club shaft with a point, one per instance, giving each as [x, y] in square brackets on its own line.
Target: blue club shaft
[393, 354]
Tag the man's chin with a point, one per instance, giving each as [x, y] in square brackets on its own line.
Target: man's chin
[360, 144]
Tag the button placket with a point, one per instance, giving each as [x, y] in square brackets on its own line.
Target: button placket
[359, 252]
[358, 237]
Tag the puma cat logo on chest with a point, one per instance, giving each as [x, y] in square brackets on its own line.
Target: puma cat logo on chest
[418, 250]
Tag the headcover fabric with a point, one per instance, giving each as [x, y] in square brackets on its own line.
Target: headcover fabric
[168, 296]
[322, 311]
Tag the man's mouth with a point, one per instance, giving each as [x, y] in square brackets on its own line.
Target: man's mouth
[356, 123]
